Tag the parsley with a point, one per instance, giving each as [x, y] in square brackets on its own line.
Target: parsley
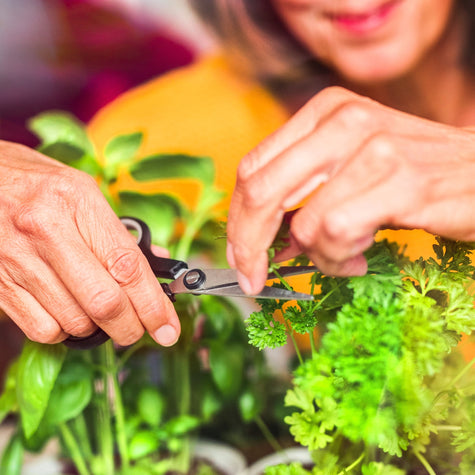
[384, 375]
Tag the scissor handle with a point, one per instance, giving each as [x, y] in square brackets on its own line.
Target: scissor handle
[161, 267]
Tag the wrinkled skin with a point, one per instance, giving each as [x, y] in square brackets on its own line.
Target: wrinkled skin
[67, 264]
[380, 167]
[359, 162]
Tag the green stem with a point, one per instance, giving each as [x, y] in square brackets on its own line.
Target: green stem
[353, 465]
[461, 374]
[294, 342]
[80, 427]
[448, 428]
[118, 408]
[312, 337]
[104, 426]
[273, 442]
[424, 462]
[74, 450]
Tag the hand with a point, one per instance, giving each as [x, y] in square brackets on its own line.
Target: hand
[361, 166]
[67, 263]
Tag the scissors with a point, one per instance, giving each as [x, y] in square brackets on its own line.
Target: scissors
[196, 281]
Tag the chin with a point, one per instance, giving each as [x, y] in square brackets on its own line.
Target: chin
[375, 70]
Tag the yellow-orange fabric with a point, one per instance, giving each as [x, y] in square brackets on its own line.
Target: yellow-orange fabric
[205, 109]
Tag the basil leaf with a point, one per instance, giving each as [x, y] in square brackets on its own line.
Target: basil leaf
[173, 166]
[54, 127]
[227, 366]
[8, 399]
[151, 405]
[71, 393]
[38, 368]
[12, 457]
[159, 211]
[119, 150]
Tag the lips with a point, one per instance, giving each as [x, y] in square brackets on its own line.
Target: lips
[366, 21]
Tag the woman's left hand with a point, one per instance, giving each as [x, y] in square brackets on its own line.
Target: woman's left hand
[379, 168]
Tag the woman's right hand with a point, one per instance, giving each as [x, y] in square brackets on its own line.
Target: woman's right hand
[67, 263]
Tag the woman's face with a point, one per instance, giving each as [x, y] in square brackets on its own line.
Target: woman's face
[367, 41]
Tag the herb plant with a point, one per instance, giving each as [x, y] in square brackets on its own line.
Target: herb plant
[384, 388]
[134, 410]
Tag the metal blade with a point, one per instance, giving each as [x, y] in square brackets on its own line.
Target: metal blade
[266, 293]
[286, 271]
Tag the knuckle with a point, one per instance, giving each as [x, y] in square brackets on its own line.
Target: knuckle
[124, 265]
[106, 304]
[355, 112]
[78, 326]
[33, 220]
[44, 333]
[381, 147]
[303, 234]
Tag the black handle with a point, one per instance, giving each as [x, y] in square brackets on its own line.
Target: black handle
[161, 267]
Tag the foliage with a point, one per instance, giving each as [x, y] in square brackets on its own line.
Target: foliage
[384, 388]
[140, 405]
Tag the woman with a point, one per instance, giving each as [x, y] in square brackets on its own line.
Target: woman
[392, 144]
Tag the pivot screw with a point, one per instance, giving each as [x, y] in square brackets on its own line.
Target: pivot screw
[194, 279]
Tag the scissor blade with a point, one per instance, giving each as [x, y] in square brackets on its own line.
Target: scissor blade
[287, 271]
[266, 293]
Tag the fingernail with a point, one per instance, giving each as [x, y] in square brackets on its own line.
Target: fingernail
[166, 335]
[230, 254]
[245, 283]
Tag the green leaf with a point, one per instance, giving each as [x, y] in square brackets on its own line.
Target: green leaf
[226, 364]
[63, 128]
[119, 151]
[8, 399]
[265, 331]
[38, 368]
[173, 166]
[181, 425]
[250, 404]
[159, 211]
[143, 443]
[62, 151]
[71, 393]
[12, 457]
[151, 405]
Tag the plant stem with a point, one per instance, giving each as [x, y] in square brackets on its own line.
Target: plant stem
[424, 462]
[83, 436]
[448, 428]
[74, 450]
[294, 342]
[118, 408]
[462, 373]
[353, 465]
[273, 442]
[104, 426]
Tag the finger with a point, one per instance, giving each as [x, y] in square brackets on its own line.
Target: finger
[23, 268]
[324, 222]
[131, 270]
[35, 322]
[145, 305]
[56, 300]
[300, 125]
[259, 200]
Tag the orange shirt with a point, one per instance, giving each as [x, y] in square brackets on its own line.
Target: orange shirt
[206, 109]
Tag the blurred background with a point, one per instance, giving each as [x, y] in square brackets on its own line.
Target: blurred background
[77, 55]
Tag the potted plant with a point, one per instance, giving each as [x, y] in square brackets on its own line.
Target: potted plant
[137, 410]
[384, 387]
